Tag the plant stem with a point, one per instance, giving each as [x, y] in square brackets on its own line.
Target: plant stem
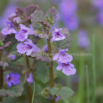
[50, 66]
[33, 93]
[93, 71]
[81, 79]
[1, 76]
[29, 87]
[87, 79]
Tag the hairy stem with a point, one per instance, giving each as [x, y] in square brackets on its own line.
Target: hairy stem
[29, 87]
[50, 66]
[1, 76]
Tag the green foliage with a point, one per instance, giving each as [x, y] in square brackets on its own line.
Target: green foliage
[66, 43]
[64, 92]
[45, 92]
[42, 71]
[35, 17]
[51, 16]
[13, 91]
[31, 8]
[39, 19]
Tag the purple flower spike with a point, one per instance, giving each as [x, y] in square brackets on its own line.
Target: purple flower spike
[68, 7]
[57, 98]
[23, 33]
[83, 40]
[30, 78]
[67, 68]
[62, 56]
[72, 22]
[98, 4]
[9, 30]
[100, 17]
[12, 78]
[57, 36]
[11, 57]
[27, 47]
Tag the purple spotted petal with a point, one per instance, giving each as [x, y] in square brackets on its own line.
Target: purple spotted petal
[57, 36]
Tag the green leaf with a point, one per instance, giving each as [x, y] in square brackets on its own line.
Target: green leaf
[66, 43]
[42, 71]
[35, 17]
[64, 92]
[31, 8]
[51, 16]
[45, 92]
[13, 91]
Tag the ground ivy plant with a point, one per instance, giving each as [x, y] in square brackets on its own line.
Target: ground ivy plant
[24, 62]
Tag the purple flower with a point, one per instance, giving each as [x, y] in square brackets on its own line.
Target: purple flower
[9, 30]
[68, 7]
[100, 17]
[98, 4]
[83, 40]
[17, 20]
[27, 47]
[45, 48]
[72, 22]
[11, 57]
[12, 78]
[62, 56]
[57, 36]
[67, 68]
[57, 98]
[23, 33]
[30, 78]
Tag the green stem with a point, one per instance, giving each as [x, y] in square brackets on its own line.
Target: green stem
[1, 76]
[81, 79]
[33, 93]
[87, 79]
[29, 86]
[50, 66]
[93, 71]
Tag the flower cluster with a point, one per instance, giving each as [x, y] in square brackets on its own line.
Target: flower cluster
[63, 58]
[68, 9]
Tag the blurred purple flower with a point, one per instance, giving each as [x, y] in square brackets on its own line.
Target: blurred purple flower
[11, 57]
[83, 40]
[45, 48]
[57, 98]
[98, 4]
[27, 47]
[12, 78]
[68, 7]
[67, 68]
[23, 33]
[10, 9]
[57, 36]
[9, 30]
[30, 78]
[72, 22]
[62, 56]
[100, 18]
